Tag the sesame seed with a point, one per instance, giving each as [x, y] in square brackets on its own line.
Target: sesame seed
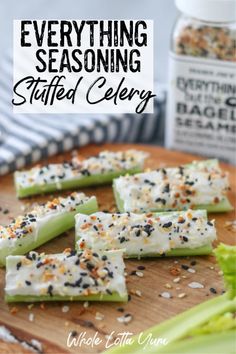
[31, 317]
[191, 270]
[65, 309]
[195, 285]
[176, 280]
[99, 316]
[139, 274]
[166, 295]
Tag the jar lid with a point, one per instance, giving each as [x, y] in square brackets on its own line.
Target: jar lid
[209, 10]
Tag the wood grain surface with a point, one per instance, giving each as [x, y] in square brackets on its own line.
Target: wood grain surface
[51, 326]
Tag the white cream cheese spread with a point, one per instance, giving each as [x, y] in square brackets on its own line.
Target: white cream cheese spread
[66, 274]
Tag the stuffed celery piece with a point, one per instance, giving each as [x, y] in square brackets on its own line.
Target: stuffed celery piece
[209, 327]
[67, 276]
[43, 223]
[175, 233]
[96, 170]
[200, 185]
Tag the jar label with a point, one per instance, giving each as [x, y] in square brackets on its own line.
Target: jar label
[201, 111]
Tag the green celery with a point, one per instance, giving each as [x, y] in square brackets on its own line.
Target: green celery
[204, 344]
[217, 324]
[226, 257]
[48, 231]
[114, 297]
[175, 252]
[178, 252]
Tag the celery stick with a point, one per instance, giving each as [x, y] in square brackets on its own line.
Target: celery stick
[114, 297]
[75, 183]
[69, 276]
[223, 205]
[207, 344]
[48, 223]
[178, 252]
[183, 233]
[226, 257]
[97, 170]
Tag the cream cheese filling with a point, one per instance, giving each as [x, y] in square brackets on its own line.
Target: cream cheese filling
[65, 274]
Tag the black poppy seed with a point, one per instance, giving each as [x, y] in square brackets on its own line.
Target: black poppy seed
[85, 286]
[193, 263]
[49, 291]
[83, 274]
[28, 283]
[19, 264]
[184, 266]
[122, 239]
[120, 309]
[161, 200]
[185, 239]
[213, 291]
[90, 266]
[141, 267]
[74, 334]
[166, 188]
[189, 183]
[40, 264]
[72, 253]
[166, 225]
[104, 258]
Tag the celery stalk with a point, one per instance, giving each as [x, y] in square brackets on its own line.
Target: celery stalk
[86, 181]
[67, 276]
[47, 231]
[178, 252]
[114, 297]
[223, 206]
[226, 257]
[207, 344]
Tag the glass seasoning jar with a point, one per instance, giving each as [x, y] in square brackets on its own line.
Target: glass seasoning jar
[201, 112]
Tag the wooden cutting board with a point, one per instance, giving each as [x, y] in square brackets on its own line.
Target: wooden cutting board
[51, 326]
